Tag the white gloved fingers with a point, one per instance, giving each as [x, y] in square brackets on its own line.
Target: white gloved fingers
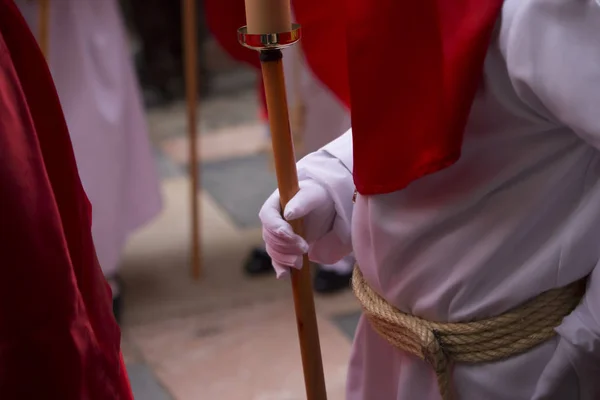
[270, 215]
[313, 202]
[283, 242]
[311, 196]
[281, 271]
[283, 255]
[285, 247]
[273, 222]
[282, 262]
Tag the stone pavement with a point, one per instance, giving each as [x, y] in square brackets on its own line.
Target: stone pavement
[226, 336]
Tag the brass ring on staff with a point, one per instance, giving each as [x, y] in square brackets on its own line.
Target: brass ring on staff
[269, 41]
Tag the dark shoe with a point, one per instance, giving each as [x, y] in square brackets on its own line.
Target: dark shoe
[117, 298]
[327, 282]
[155, 97]
[118, 308]
[258, 263]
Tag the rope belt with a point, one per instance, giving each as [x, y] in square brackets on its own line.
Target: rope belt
[488, 340]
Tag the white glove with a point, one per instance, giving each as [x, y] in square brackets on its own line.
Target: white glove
[315, 205]
[324, 201]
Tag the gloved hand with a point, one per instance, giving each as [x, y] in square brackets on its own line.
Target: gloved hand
[315, 205]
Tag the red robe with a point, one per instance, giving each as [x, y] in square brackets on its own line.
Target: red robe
[58, 337]
[409, 71]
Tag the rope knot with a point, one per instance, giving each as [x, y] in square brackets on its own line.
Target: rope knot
[433, 353]
[440, 344]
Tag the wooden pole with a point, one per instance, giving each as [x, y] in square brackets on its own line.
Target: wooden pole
[287, 181]
[43, 27]
[191, 79]
[268, 17]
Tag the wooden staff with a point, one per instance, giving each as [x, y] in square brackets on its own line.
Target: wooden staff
[266, 18]
[191, 88]
[43, 26]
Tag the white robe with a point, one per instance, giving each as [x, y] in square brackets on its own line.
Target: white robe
[519, 214]
[93, 73]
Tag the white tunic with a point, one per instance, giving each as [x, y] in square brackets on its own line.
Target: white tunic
[517, 215]
[97, 87]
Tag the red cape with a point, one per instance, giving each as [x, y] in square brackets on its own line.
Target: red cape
[409, 71]
[58, 337]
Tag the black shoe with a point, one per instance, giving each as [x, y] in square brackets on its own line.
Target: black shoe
[118, 308]
[155, 97]
[117, 298]
[258, 263]
[327, 282]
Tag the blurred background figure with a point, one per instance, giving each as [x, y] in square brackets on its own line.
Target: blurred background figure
[93, 72]
[157, 24]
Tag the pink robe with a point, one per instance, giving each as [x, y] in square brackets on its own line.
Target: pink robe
[93, 72]
[519, 214]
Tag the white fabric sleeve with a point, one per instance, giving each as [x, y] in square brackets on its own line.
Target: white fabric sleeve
[331, 167]
[552, 50]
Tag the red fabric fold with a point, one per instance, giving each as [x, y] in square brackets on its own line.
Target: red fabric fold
[58, 337]
[409, 71]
